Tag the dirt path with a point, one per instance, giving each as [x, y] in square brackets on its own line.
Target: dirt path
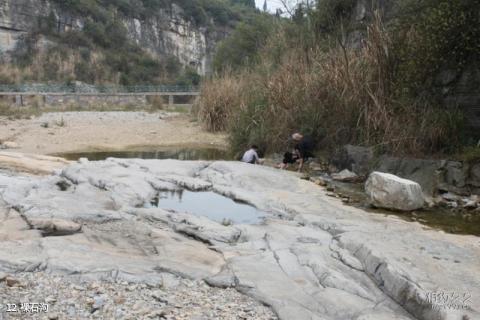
[81, 131]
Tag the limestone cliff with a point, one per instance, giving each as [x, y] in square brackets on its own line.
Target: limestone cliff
[165, 32]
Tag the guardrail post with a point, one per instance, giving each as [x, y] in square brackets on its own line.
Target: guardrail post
[19, 100]
[170, 100]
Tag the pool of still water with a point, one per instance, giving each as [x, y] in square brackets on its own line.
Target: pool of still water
[152, 153]
[209, 204]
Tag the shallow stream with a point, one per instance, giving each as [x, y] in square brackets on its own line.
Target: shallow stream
[225, 210]
[152, 153]
[448, 220]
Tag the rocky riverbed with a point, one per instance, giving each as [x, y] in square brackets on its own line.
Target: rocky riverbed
[92, 225]
[71, 297]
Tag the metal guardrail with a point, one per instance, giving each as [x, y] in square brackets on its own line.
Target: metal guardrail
[84, 88]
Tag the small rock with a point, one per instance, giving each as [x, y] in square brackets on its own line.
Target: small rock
[450, 196]
[9, 145]
[452, 204]
[53, 316]
[132, 287]
[78, 288]
[156, 314]
[3, 276]
[470, 205]
[71, 311]
[119, 300]
[345, 176]
[160, 296]
[98, 302]
[320, 182]
[12, 282]
[315, 166]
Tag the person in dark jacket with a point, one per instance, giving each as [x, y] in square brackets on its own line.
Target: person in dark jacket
[302, 151]
[304, 148]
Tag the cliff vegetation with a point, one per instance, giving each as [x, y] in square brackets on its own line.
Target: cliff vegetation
[99, 42]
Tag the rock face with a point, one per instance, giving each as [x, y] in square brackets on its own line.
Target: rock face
[168, 33]
[389, 191]
[427, 173]
[311, 258]
[36, 164]
[434, 176]
[357, 159]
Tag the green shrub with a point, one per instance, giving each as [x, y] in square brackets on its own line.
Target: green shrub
[241, 48]
[330, 13]
[434, 35]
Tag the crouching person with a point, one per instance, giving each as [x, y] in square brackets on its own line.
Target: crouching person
[251, 155]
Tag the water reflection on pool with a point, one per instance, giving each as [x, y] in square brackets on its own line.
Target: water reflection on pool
[209, 204]
[153, 153]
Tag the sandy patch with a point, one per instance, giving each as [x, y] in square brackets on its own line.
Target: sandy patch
[60, 132]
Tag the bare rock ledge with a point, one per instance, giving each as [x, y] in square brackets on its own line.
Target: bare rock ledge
[312, 258]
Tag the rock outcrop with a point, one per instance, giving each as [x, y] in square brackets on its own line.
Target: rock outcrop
[30, 163]
[391, 192]
[311, 258]
[166, 33]
[357, 159]
[434, 176]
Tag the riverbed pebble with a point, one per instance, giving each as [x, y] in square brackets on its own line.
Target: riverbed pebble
[69, 297]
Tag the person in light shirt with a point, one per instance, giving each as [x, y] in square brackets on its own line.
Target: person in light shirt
[251, 155]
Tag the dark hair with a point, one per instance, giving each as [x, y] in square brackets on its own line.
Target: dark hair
[254, 146]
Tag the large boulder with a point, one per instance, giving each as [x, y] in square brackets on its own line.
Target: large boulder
[391, 192]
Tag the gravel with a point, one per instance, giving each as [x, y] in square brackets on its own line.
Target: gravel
[69, 297]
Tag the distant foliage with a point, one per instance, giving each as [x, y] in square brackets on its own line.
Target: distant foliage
[436, 34]
[198, 11]
[330, 13]
[242, 47]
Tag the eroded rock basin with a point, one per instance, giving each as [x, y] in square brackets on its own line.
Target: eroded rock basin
[208, 204]
[314, 259]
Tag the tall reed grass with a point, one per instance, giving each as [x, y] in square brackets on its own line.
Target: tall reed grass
[340, 95]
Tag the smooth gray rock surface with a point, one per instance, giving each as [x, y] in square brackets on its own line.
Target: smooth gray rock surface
[311, 258]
